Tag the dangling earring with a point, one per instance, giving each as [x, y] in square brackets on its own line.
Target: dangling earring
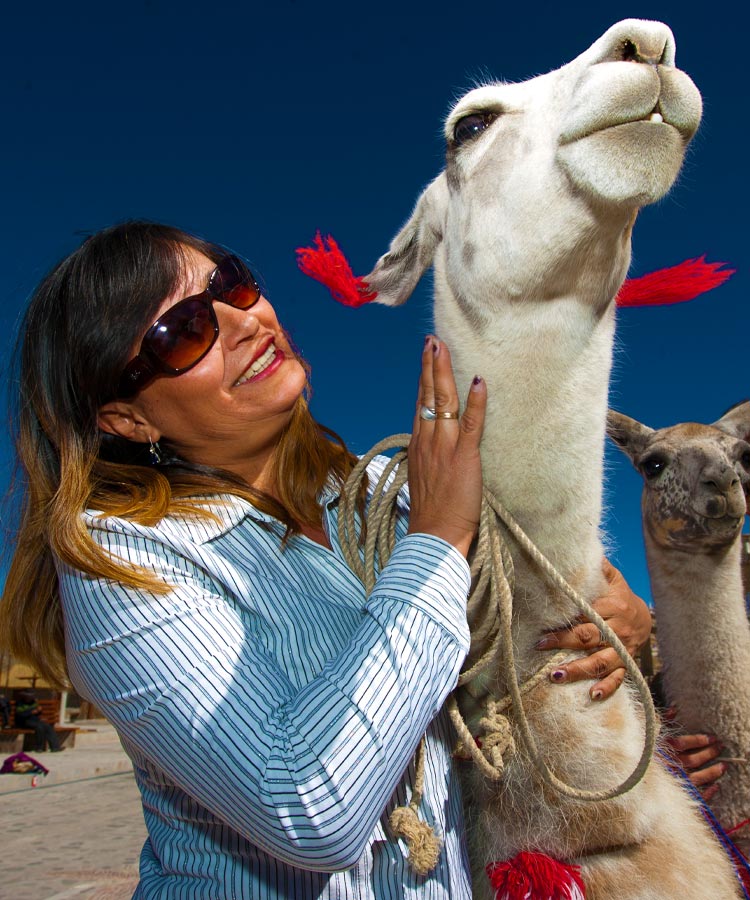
[154, 452]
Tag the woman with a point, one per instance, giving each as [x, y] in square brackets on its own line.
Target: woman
[178, 557]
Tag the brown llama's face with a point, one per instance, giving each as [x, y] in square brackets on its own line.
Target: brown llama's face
[696, 484]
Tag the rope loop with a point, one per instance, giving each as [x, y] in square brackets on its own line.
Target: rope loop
[489, 613]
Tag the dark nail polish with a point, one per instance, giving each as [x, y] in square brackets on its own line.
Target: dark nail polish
[476, 380]
[558, 675]
[597, 695]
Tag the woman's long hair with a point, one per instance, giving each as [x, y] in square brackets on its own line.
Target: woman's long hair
[75, 339]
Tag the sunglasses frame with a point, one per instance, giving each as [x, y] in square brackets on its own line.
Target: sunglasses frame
[147, 364]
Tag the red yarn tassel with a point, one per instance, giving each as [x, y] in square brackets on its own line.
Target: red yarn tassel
[673, 285]
[329, 266]
[534, 876]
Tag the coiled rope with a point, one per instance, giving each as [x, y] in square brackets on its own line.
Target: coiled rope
[489, 612]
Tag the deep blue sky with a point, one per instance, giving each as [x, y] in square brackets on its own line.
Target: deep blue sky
[254, 125]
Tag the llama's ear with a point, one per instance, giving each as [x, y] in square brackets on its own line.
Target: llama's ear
[736, 421]
[397, 272]
[630, 436]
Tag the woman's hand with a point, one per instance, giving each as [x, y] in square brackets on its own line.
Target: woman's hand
[694, 751]
[445, 471]
[626, 614]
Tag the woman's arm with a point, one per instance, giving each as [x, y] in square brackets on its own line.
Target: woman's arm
[302, 768]
[304, 772]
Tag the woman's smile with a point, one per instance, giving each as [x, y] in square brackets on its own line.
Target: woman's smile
[265, 363]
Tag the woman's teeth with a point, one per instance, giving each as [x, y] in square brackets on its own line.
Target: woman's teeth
[262, 362]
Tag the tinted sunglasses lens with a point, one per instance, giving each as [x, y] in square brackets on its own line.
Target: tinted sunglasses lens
[183, 334]
[233, 283]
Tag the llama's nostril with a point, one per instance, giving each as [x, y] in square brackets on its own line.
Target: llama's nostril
[642, 52]
[723, 484]
[629, 51]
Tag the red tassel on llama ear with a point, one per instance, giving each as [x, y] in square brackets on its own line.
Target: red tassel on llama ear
[534, 876]
[327, 264]
[330, 267]
[673, 285]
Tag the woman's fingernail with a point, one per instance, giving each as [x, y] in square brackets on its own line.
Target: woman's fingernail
[428, 340]
[597, 695]
[542, 644]
[436, 346]
[476, 382]
[559, 675]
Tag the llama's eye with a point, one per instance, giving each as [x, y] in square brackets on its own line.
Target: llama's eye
[653, 466]
[745, 460]
[470, 126]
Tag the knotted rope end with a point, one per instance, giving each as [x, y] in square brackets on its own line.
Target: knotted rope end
[424, 845]
[498, 740]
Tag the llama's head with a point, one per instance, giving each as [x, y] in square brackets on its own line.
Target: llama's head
[543, 178]
[696, 478]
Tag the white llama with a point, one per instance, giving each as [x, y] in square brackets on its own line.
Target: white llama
[695, 482]
[528, 229]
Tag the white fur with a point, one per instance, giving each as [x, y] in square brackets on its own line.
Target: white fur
[528, 230]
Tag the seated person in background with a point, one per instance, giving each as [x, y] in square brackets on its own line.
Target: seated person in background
[28, 715]
[4, 711]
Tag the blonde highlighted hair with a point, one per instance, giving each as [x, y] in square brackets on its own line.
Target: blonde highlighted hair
[75, 339]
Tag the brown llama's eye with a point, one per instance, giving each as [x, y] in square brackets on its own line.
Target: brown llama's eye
[470, 126]
[745, 460]
[653, 466]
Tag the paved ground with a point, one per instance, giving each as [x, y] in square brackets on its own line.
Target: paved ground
[79, 839]
[79, 833]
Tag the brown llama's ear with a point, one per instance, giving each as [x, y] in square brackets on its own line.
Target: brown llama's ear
[736, 421]
[629, 435]
[397, 272]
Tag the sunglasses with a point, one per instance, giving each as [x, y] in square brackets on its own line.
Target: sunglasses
[180, 338]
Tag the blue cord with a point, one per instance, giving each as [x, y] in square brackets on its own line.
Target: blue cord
[739, 863]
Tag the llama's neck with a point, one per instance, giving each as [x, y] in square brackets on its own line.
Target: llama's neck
[703, 635]
[547, 366]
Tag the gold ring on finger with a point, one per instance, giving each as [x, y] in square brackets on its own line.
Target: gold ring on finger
[446, 415]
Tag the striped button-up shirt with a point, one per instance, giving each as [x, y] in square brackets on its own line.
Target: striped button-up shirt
[270, 709]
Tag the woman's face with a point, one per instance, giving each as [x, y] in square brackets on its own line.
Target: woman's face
[229, 410]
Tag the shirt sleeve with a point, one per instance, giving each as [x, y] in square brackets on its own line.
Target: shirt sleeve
[304, 773]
